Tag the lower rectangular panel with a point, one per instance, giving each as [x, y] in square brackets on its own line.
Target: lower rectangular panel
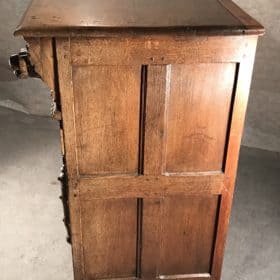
[179, 234]
[109, 232]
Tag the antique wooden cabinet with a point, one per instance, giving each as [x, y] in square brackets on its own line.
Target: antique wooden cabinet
[152, 97]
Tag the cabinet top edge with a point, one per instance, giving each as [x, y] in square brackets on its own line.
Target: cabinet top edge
[107, 17]
[117, 32]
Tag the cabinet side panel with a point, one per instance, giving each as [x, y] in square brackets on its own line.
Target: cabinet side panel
[198, 116]
[188, 234]
[109, 238]
[107, 101]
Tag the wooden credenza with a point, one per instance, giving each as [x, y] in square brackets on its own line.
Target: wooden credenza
[152, 98]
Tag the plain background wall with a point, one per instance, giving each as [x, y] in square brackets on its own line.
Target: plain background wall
[263, 117]
[262, 128]
[31, 95]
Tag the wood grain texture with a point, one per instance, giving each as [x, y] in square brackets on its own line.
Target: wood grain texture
[188, 228]
[67, 105]
[62, 18]
[69, 148]
[179, 234]
[109, 238]
[157, 50]
[151, 238]
[47, 62]
[198, 116]
[149, 186]
[154, 121]
[42, 57]
[237, 125]
[34, 48]
[107, 102]
[173, 234]
[240, 105]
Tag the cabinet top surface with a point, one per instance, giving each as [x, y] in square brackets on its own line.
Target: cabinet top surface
[102, 17]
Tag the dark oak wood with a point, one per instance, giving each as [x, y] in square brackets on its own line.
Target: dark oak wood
[107, 118]
[149, 186]
[109, 238]
[46, 17]
[237, 124]
[157, 87]
[198, 116]
[157, 50]
[153, 100]
[211, 88]
[151, 240]
[187, 242]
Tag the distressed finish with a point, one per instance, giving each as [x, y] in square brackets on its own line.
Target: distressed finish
[108, 114]
[196, 135]
[153, 108]
[45, 17]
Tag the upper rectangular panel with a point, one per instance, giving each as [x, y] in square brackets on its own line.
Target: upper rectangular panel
[107, 102]
[60, 17]
[198, 113]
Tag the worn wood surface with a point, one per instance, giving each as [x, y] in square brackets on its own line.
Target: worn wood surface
[177, 191]
[242, 89]
[151, 129]
[153, 95]
[158, 50]
[157, 89]
[67, 105]
[42, 56]
[198, 116]
[151, 238]
[107, 118]
[109, 238]
[99, 18]
[187, 242]
[68, 123]
[149, 186]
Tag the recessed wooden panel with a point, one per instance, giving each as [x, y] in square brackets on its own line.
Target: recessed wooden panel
[150, 237]
[109, 238]
[107, 118]
[198, 116]
[187, 234]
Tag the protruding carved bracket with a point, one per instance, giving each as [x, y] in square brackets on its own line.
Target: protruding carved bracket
[37, 61]
[22, 66]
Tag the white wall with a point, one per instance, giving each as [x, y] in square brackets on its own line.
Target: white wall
[263, 117]
[31, 95]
